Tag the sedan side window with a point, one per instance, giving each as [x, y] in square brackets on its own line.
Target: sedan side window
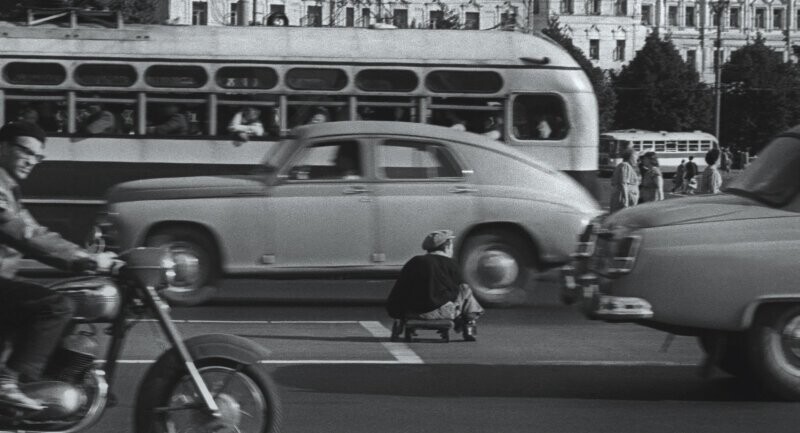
[416, 160]
[329, 160]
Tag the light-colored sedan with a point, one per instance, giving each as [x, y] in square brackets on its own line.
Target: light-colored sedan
[355, 199]
[725, 268]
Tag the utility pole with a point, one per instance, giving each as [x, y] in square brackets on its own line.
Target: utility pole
[719, 10]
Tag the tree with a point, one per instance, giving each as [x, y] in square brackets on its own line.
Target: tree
[606, 97]
[761, 96]
[140, 11]
[659, 91]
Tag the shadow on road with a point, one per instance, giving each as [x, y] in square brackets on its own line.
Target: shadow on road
[644, 383]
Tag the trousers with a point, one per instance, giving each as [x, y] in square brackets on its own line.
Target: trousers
[465, 307]
[38, 316]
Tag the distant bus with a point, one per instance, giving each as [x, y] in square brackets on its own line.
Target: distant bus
[670, 147]
[524, 86]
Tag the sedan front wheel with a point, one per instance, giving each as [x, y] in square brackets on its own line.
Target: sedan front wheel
[498, 267]
[775, 344]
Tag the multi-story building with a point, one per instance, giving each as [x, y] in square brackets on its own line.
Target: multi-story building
[610, 32]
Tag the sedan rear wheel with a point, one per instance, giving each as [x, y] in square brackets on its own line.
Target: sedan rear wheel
[775, 348]
[498, 266]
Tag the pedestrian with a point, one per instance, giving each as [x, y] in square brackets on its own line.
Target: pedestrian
[319, 115]
[677, 179]
[430, 287]
[726, 159]
[37, 315]
[625, 182]
[711, 179]
[652, 186]
[246, 123]
[689, 182]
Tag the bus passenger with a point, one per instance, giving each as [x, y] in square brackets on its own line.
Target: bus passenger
[29, 114]
[493, 127]
[173, 122]
[246, 123]
[543, 129]
[98, 120]
[320, 115]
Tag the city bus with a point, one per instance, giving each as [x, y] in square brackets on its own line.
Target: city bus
[670, 147]
[524, 87]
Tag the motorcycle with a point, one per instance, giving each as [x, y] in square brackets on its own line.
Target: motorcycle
[204, 383]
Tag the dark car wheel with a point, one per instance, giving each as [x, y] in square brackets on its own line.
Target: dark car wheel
[733, 357]
[196, 264]
[775, 346]
[499, 267]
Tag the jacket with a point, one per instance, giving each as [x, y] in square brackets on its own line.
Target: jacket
[21, 234]
[426, 283]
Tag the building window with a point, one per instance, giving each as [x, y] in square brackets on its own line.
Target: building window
[594, 49]
[691, 58]
[314, 16]
[199, 13]
[777, 19]
[690, 16]
[350, 17]
[567, 6]
[761, 18]
[673, 16]
[536, 7]
[365, 17]
[714, 18]
[734, 18]
[647, 12]
[595, 7]
[400, 19]
[621, 7]
[234, 13]
[435, 18]
[472, 21]
[619, 50]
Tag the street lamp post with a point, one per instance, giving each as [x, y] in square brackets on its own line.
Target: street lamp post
[719, 8]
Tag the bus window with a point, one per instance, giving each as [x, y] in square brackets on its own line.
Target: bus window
[637, 146]
[705, 145]
[539, 117]
[399, 109]
[387, 80]
[467, 114]
[171, 114]
[304, 109]
[694, 146]
[660, 147]
[105, 75]
[263, 107]
[46, 109]
[647, 145]
[190, 77]
[37, 74]
[105, 114]
[316, 79]
[464, 82]
[671, 146]
[682, 146]
[230, 77]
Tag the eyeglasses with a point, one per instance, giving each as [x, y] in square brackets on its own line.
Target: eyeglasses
[28, 152]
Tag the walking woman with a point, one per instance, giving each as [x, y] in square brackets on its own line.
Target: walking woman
[625, 182]
[652, 188]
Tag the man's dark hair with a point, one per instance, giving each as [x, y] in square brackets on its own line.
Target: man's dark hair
[712, 156]
[691, 158]
[21, 128]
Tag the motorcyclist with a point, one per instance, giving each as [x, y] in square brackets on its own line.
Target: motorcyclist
[37, 315]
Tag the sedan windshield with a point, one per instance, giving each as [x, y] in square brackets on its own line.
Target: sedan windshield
[774, 177]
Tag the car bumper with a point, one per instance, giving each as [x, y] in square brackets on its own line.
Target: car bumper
[583, 288]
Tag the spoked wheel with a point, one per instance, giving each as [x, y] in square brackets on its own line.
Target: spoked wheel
[775, 348]
[246, 398]
[498, 267]
[196, 265]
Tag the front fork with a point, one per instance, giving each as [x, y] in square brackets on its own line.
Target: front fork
[162, 309]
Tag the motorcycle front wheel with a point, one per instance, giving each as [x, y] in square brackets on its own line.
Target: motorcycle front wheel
[169, 403]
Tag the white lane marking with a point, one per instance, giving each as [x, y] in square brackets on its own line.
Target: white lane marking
[401, 352]
[553, 363]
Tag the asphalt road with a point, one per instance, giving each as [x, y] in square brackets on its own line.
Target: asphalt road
[539, 367]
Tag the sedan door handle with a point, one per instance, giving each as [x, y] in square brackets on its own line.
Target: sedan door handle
[355, 190]
[461, 190]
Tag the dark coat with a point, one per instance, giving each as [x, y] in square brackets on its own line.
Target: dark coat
[426, 283]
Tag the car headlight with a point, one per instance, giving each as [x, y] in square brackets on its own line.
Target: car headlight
[168, 268]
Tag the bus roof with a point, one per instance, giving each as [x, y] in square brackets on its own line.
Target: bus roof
[291, 44]
[640, 134]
